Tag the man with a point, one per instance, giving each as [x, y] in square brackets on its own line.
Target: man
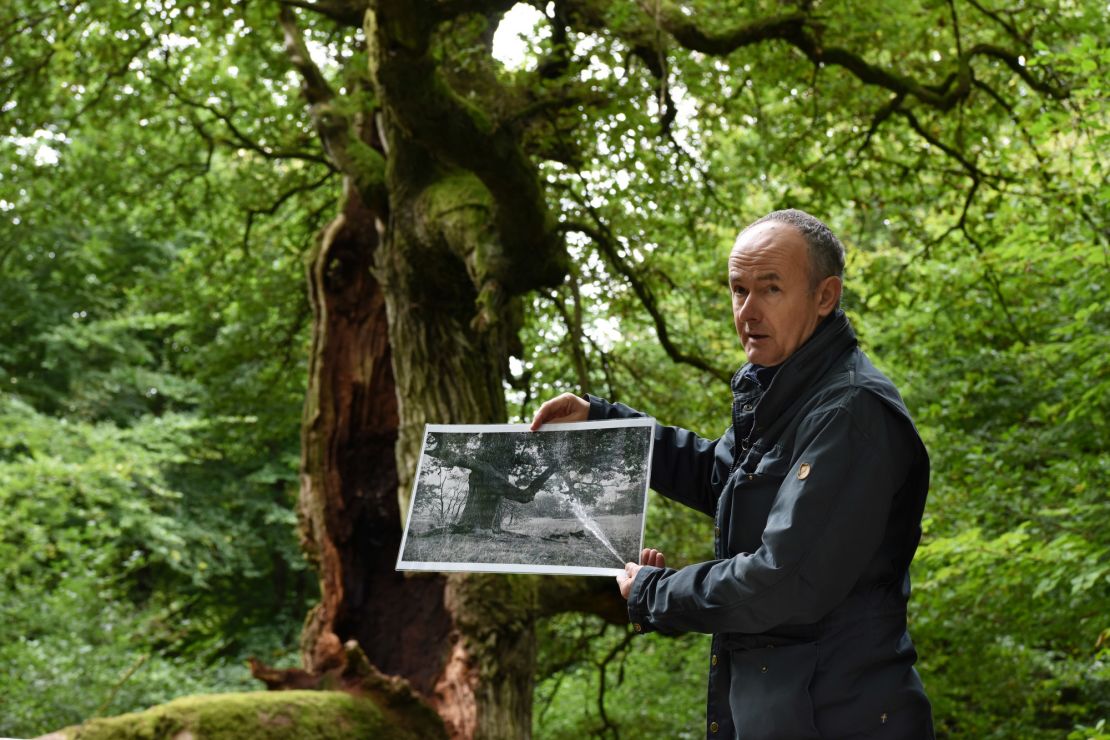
[817, 490]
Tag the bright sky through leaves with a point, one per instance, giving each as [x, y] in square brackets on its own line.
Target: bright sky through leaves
[511, 41]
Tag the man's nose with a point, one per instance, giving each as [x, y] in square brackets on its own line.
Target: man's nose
[749, 309]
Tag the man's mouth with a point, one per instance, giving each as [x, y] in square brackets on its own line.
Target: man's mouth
[756, 337]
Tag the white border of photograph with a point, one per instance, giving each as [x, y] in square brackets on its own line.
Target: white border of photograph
[470, 567]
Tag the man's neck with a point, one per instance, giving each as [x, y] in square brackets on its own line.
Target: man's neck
[764, 374]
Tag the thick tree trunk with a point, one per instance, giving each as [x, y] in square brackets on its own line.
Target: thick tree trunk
[412, 323]
[348, 503]
[481, 512]
[449, 366]
[488, 489]
[465, 644]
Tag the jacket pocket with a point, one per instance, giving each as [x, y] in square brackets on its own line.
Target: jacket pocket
[753, 496]
[769, 693]
[774, 463]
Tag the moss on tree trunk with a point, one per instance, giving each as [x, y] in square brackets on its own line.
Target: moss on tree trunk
[289, 715]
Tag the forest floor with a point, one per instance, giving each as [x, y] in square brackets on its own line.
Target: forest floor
[532, 541]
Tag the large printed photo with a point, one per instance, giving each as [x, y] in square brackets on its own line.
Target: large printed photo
[567, 499]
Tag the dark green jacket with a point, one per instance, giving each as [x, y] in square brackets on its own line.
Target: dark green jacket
[818, 514]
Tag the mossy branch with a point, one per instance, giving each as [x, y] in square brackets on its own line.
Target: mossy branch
[363, 164]
[459, 132]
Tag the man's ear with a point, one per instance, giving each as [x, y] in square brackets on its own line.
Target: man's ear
[828, 295]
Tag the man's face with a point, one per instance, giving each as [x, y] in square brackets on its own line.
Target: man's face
[774, 306]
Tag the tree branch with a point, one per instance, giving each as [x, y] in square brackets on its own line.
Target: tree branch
[1010, 28]
[314, 86]
[238, 138]
[721, 42]
[281, 199]
[656, 61]
[602, 668]
[611, 389]
[803, 32]
[575, 334]
[13, 27]
[366, 169]
[878, 119]
[988, 271]
[1029, 141]
[1011, 60]
[972, 170]
[349, 13]
[448, 9]
[606, 243]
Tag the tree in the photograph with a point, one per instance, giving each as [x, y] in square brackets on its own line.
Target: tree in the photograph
[602, 460]
[441, 494]
[495, 476]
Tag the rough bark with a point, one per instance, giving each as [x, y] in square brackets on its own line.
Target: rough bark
[414, 288]
[350, 518]
[449, 366]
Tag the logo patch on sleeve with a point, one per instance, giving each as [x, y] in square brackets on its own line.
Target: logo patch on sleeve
[803, 471]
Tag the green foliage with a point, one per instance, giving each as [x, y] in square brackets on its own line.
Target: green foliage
[150, 395]
[591, 684]
[129, 576]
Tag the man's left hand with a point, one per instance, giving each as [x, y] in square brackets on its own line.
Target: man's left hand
[648, 556]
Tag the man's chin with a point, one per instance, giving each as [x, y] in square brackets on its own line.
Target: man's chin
[757, 354]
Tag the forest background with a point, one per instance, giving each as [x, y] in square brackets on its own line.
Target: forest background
[172, 266]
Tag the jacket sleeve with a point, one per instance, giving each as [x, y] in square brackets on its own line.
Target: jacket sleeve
[827, 521]
[682, 463]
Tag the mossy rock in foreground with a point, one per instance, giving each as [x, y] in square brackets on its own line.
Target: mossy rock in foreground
[262, 715]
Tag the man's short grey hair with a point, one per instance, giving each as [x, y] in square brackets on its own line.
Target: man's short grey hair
[826, 253]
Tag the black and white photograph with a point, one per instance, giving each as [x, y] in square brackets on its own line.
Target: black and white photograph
[567, 499]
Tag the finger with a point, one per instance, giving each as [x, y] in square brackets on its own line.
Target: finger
[549, 411]
[644, 555]
[561, 409]
[540, 416]
[660, 562]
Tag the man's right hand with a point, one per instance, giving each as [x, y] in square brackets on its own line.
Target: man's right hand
[625, 579]
[560, 410]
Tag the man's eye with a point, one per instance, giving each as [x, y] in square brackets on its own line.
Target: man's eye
[773, 289]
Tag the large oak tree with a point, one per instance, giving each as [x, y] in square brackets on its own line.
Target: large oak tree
[465, 190]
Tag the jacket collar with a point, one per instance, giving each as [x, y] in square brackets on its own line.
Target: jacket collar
[831, 339]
